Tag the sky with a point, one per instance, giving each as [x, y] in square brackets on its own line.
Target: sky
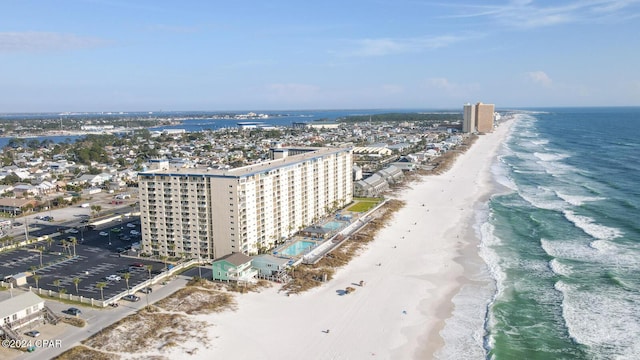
[139, 55]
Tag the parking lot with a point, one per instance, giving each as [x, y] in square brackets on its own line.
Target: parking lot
[94, 258]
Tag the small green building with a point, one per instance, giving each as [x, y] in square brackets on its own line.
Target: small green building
[234, 267]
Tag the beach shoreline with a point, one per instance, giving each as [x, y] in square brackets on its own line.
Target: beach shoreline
[412, 270]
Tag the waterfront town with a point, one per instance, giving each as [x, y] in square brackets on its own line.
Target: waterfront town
[109, 218]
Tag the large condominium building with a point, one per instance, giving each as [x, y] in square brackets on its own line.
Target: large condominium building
[484, 117]
[209, 213]
[469, 118]
[478, 117]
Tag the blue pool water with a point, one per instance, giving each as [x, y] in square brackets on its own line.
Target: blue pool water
[332, 225]
[297, 248]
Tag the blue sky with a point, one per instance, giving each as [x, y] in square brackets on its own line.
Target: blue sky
[126, 55]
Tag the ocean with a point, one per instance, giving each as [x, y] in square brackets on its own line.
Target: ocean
[561, 241]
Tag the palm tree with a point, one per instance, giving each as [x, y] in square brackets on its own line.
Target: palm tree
[56, 283]
[126, 276]
[164, 258]
[49, 242]
[149, 267]
[65, 247]
[73, 242]
[101, 286]
[62, 292]
[76, 281]
[36, 277]
[33, 268]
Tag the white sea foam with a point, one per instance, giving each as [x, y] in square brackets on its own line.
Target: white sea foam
[541, 199]
[540, 142]
[501, 175]
[463, 332]
[607, 321]
[559, 268]
[549, 156]
[589, 226]
[577, 200]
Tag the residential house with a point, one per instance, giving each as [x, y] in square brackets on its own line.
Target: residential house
[20, 310]
[271, 268]
[234, 267]
[372, 186]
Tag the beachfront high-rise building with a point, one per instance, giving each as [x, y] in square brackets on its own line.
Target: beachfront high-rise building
[209, 213]
[478, 117]
[484, 117]
[469, 118]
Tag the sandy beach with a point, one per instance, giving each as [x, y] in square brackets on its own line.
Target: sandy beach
[425, 255]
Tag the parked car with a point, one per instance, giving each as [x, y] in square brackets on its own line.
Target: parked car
[73, 231]
[72, 311]
[33, 333]
[130, 225]
[17, 224]
[113, 278]
[131, 298]
[134, 232]
[116, 230]
[125, 238]
[104, 233]
[146, 290]
[137, 265]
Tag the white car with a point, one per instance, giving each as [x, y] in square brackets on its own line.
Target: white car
[113, 278]
[104, 233]
[134, 232]
[73, 231]
[131, 225]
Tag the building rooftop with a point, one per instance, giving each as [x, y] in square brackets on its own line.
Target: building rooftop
[18, 303]
[249, 169]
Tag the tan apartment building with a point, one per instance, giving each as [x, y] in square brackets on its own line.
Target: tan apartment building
[478, 117]
[209, 213]
[484, 117]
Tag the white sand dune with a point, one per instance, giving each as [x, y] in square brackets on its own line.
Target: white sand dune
[402, 307]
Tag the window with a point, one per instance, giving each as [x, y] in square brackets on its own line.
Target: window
[14, 317]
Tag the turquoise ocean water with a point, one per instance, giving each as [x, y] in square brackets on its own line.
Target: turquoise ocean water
[561, 244]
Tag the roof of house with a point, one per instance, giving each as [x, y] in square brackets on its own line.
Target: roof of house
[18, 303]
[236, 259]
[272, 259]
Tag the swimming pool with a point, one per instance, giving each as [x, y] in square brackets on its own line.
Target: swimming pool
[332, 225]
[297, 248]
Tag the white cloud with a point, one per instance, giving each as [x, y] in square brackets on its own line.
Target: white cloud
[527, 14]
[45, 41]
[539, 77]
[389, 46]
